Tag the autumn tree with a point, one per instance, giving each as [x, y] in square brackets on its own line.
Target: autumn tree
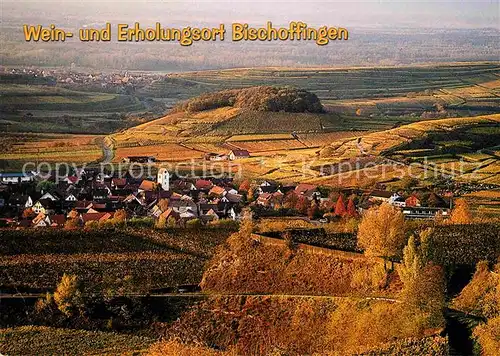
[461, 213]
[302, 204]
[72, 224]
[28, 213]
[488, 336]
[290, 200]
[73, 214]
[416, 254]
[161, 223]
[340, 209]
[68, 296]
[424, 295]
[412, 262]
[351, 209]
[252, 194]
[163, 204]
[481, 297]
[381, 231]
[119, 217]
[244, 186]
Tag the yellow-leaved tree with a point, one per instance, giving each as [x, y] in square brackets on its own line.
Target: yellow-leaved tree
[382, 232]
[461, 213]
[68, 296]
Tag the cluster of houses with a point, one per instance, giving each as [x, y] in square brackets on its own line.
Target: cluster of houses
[412, 205]
[89, 195]
[233, 155]
[117, 80]
[93, 196]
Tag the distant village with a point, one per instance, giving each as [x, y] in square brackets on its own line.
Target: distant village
[116, 82]
[90, 197]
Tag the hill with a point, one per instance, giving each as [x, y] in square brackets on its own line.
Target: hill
[260, 98]
[422, 135]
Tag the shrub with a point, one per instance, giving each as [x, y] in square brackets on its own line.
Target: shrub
[161, 223]
[141, 222]
[193, 224]
[171, 222]
[226, 224]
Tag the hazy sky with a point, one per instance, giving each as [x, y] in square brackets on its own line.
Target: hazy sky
[369, 13]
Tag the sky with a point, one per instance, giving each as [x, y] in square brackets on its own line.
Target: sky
[367, 13]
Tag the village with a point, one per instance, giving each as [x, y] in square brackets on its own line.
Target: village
[92, 198]
[121, 83]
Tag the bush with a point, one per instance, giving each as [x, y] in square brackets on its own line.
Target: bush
[193, 224]
[141, 222]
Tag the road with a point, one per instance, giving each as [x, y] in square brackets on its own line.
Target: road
[207, 295]
[107, 150]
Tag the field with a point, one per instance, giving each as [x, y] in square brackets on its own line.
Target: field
[162, 152]
[301, 325]
[52, 148]
[349, 83]
[47, 108]
[121, 261]
[40, 340]
[358, 101]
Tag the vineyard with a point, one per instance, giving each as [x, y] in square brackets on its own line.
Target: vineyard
[303, 325]
[271, 267]
[40, 340]
[126, 261]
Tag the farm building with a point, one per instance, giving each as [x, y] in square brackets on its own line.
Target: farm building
[138, 159]
[238, 154]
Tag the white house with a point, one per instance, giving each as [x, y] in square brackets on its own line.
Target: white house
[14, 178]
[397, 200]
[238, 154]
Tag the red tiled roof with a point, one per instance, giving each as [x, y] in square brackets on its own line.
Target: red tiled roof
[203, 184]
[241, 153]
[95, 217]
[216, 190]
[304, 187]
[147, 185]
